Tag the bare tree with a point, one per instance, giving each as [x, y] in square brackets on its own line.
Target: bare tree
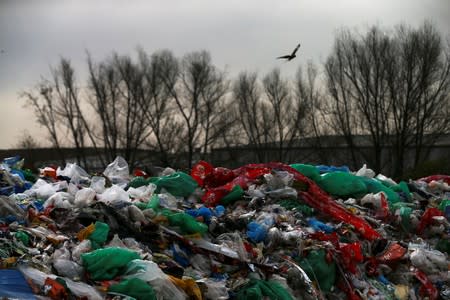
[59, 103]
[160, 112]
[68, 106]
[419, 86]
[393, 87]
[27, 141]
[194, 88]
[214, 118]
[358, 65]
[287, 114]
[104, 98]
[311, 113]
[253, 114]
[43, 105]
[117, 89]
[133, 127]
[344, 118]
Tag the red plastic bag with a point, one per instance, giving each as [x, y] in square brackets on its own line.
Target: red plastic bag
[218, 177]
[444, 178]
[427, 218]
[213, 196]
[427, 287]
[333, 238]
[393, 252]
[348, 289]
[382, 212]
[140, 173]
[200, 171]
[55, 290]
[351, 255]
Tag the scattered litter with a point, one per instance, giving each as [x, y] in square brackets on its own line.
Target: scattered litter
[271, 231]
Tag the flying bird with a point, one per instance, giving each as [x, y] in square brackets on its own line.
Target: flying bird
[290, 56]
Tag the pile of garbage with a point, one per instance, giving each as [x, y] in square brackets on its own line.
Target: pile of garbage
[261, 231]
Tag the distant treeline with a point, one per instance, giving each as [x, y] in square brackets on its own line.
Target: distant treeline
[392, 86]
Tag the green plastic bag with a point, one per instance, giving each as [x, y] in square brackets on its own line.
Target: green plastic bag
[153, 203]
[309, 171]
[140, 205]
[187, 223]
[294, 204]
[402, 187]
[342, 184]
[317, 268]
[235, 194]
[138, 182]
[374, 186]
[257, 289]
[444, 203]
[134, 287]
[443, 245]
[178, 184]
[105, 264]
[29, 176]
[99, 236]
[23, 237]
[405, 213]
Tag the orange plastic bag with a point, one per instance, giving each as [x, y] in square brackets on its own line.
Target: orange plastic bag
[189, 286]
[85, 232]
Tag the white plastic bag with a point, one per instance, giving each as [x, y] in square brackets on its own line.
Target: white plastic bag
[84, 197]
[60, 200]
[74, 172]
[68, 268]
[114, 195]
[118, 171]
[365, 172]
[98, 184]
[429, 261]
[142, 193]
[150, 272]
[83, 247]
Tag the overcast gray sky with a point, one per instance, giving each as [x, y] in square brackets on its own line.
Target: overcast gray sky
[239, 34]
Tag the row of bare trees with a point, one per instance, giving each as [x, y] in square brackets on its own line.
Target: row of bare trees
[392, 86]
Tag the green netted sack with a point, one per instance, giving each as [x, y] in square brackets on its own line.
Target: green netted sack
[318, 269]
[342, 184]
[105, 264]
[309, 171]
[99, 236]
[134, 287]
[178, 184]
[257, 289]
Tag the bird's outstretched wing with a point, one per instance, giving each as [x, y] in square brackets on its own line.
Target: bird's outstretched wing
[284, 56]
[295, 50]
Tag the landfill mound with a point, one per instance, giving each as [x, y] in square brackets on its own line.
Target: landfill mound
[261, 231]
